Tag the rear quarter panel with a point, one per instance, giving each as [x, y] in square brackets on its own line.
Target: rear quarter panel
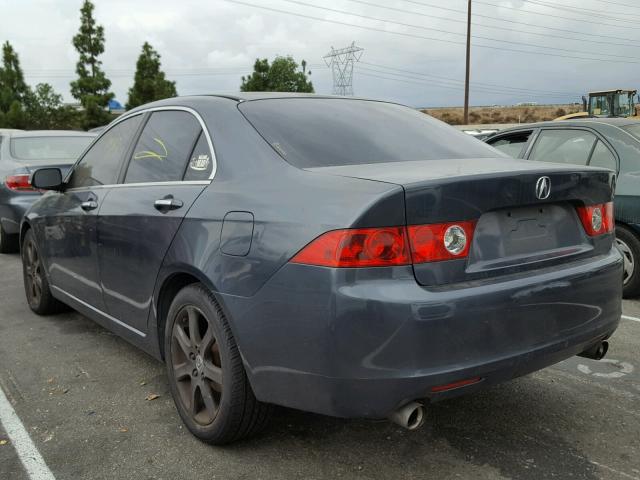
[290, 208]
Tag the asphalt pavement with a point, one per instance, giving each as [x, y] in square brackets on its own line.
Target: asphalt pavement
[87, 400]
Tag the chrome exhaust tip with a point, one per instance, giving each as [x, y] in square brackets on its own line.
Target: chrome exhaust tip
[411, 416]
[596, 351]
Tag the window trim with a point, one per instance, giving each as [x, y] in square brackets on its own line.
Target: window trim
[125, 165]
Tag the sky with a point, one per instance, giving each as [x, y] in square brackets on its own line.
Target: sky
[544, 51]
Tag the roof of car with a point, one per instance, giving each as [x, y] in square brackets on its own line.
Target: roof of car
[616, 122]
[50, 133]
[239, 97]
[191, 100]
[247, 96]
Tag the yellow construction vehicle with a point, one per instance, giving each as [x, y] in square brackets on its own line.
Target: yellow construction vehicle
[607, 103]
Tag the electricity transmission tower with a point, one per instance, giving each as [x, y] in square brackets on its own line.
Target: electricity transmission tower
[341, 62]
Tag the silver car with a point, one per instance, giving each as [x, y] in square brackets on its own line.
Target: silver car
[21, 152]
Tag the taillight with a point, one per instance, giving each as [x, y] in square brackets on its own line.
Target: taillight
[388, 246]
[18, 182]
[443, 241]
[597, 219]
[365, 247]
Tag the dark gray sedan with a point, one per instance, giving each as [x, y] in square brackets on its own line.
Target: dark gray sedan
[342, 256]
[20, 153]
[612, 143]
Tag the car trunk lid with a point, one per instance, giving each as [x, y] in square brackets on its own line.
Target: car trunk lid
[515, 229]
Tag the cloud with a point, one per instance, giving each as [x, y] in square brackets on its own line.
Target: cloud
[207, 46]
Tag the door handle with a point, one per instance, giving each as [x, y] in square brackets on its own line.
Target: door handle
[169, 203]
[89, 205]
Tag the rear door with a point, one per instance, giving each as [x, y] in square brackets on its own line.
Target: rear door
[170, 165]
[569, 146]
[71, 226]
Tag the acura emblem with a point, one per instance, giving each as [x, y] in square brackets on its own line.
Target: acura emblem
[543, 188]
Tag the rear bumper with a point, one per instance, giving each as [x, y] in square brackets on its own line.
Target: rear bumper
[360, 343]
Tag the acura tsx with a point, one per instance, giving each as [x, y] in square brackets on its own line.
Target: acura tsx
[343, 256]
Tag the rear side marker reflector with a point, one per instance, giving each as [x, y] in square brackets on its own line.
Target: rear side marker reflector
[597, 219]
[454, 385]
[388, 246]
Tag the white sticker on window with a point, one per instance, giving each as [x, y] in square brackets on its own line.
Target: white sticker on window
[200, 162]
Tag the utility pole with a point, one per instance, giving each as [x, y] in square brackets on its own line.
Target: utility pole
[468, 74]
[341, 62]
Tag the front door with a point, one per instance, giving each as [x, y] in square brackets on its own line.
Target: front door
[169, 167]
[71, 234]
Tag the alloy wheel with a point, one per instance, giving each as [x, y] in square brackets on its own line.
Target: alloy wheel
[629, 261]
[34, 273]
[197, 367]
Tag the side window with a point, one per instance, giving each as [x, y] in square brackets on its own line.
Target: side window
[200, 164]
[602, 157]
[164, 147]
[563, 146]
[101, 164]
[512, 145]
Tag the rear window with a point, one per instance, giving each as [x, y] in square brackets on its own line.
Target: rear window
[48, 148]
[633, 130]
[319, 132]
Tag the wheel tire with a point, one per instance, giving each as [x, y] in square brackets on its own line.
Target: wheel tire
[8, 243]
[36, 285]
[629, 245]
[206, 375]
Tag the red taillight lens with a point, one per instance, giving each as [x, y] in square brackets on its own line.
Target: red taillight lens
[18, 182]
[365, 247]
[597, 219]
[389, 246]
[443, 241]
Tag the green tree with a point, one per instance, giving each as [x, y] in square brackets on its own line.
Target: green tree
[283, 75]
[45, 110]
[92, 86]
[13, 89]
[16, 117]
[149, 83]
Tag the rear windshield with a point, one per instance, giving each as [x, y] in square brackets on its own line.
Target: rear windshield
[318, 132]
[48, 148]
[633, 130]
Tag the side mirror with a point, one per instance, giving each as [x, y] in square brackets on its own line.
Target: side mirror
[47, 179]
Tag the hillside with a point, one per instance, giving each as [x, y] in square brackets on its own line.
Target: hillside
[502, 114]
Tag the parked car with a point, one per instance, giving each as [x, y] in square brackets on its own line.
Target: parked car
[335, 255]
[20, 153]
[612, 143]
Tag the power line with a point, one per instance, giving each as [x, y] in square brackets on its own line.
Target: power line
[423, 37]
[422, 82]
[498, 86]
[617, 3]
[478, 15]
[510, 42]
[553, 16]
[456, 86]
[517, 30]
[581, 10]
